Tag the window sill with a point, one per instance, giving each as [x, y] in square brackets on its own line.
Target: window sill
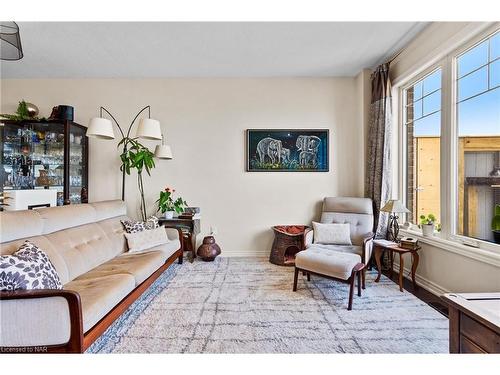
[481, 255]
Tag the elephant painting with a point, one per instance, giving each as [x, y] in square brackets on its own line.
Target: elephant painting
[285, 155]
[287, 150]
[308, 159]
[271, 148]
[308, 143]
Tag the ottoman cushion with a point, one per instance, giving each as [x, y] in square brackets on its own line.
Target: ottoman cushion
[326, 262]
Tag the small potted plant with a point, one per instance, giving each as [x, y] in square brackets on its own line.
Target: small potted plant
[495, 224]
[427, 224]
[168, 206]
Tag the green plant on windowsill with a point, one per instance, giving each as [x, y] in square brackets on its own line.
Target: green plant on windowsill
[428, 223]
[495, 224]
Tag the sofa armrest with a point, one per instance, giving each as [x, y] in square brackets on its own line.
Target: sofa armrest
[174, 233]
[308, 237]
[367, 247]
[55, 321]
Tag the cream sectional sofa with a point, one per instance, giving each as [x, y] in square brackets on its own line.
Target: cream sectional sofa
[87, 246]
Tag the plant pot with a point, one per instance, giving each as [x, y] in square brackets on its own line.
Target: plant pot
[427, 230]
[496, 236]
[169, 214]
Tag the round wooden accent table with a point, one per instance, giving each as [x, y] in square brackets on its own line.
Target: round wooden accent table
[288, 241]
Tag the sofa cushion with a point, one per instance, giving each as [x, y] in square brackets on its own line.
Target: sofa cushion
[139, 265]
[83, 248]
[327, 263]
[113, 229]
[17, 225]
[28, 268]
[168, 249]
[99, 295]
[63, 217]
[43, 243]
[109, 209]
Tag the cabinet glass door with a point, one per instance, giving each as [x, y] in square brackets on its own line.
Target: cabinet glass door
[77, 165]
[33, 156]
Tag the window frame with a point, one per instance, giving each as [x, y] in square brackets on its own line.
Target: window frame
[452, 62]
[403, 132]
[448, 143]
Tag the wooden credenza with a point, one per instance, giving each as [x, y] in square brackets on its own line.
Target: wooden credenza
[474, 322]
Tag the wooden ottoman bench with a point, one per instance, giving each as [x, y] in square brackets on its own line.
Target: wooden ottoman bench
[334, 265]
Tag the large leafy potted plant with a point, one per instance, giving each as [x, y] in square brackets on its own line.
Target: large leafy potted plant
[167, 205]
[139, 157]
[495, 224]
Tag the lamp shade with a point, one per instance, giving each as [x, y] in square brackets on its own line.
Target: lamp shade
[163, 152]
[149, 129]
[394, 205]
[100, 128]
[10, 41]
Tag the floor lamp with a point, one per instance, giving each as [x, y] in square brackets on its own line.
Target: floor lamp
[102, 128]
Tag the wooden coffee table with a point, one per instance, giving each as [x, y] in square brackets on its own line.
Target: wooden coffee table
[392, 247]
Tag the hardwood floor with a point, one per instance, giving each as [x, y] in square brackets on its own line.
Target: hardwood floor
[432, 300]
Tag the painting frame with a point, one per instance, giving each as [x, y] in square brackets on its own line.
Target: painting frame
[251, 159]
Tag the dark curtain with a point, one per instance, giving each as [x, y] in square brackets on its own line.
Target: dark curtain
[378, 181]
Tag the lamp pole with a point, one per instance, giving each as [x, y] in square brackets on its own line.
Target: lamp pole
[123, 136]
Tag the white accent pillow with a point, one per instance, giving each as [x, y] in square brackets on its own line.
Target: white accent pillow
[146, 239]
[332, 234]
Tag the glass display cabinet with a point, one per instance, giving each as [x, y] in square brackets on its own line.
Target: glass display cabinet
[45, 155]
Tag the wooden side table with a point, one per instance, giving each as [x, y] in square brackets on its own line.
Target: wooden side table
[392, 247]
[191, 228]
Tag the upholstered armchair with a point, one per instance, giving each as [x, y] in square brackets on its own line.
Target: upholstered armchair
[358, 212]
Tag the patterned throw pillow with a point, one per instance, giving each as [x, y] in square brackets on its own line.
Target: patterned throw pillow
[132, 226]
[28, 268]
[146, 240]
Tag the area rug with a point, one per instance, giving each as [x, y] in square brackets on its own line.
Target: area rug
[246, 305]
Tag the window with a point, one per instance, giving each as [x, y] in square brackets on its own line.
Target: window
[478, 130]
[450, 122]
[422, 114]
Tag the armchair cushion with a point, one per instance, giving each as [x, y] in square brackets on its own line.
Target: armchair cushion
[357, 212]
[351, 249]
[329, 263]
[335, 234]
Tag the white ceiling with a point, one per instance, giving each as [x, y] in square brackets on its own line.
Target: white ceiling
[198, 49]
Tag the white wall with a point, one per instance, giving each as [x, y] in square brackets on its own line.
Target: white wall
[441, 270]
[204, 121]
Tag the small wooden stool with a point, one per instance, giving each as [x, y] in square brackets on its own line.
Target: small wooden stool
[344, 267]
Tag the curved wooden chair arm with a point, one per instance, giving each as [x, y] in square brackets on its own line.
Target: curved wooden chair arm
[181, 235]
[368, 237]
[75, 343]
[358, 267]
[304, 238]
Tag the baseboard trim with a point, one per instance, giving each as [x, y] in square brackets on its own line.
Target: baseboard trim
[428, 285]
